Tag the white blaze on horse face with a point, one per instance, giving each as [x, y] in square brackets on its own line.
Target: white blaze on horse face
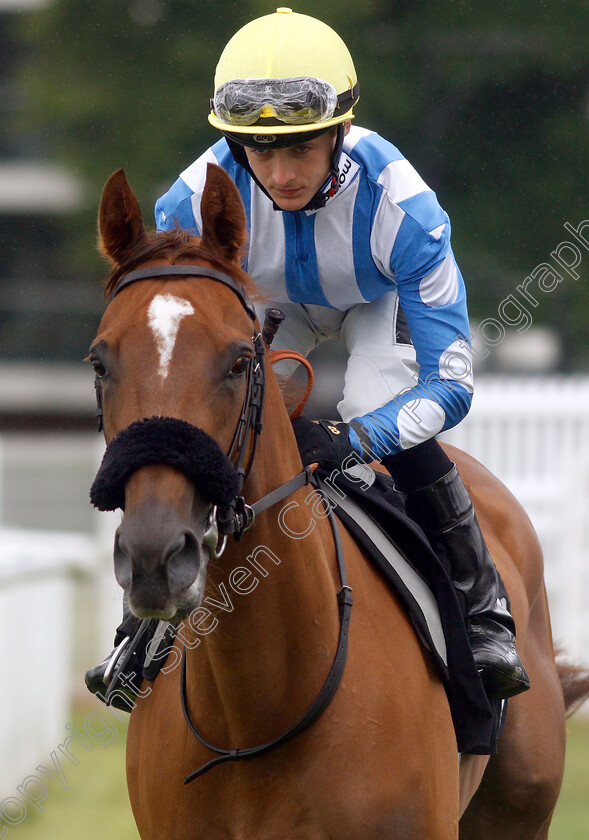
[164, 314]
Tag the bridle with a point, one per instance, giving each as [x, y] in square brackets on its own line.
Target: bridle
[238, 516]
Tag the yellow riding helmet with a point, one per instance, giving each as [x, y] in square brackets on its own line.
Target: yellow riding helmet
[283, 71]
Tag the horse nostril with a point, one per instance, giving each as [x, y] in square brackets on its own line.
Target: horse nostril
[123, 564]
[182, 562]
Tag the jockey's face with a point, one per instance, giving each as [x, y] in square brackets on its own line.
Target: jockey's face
[293, 175]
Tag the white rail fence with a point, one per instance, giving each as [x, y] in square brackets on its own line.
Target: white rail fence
[38, 570]
[534, 435]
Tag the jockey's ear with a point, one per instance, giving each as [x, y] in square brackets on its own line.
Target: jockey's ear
[120, 224]
[223, 216]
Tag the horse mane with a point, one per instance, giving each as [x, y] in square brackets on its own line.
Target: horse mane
[175, 245]
[291, 390]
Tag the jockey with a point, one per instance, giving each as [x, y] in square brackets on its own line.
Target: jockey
[348, 241]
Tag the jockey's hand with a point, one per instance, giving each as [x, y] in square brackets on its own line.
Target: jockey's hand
[325, 443]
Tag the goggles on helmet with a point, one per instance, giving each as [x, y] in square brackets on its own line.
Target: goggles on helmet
[295, 101]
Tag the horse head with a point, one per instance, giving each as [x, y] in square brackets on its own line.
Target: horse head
[174, 358]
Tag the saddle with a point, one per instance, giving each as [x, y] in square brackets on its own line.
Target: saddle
[367, 504]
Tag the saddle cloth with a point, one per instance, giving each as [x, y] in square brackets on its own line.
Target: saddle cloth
[367, 504]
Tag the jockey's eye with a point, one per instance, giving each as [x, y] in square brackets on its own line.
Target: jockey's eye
[240, 366]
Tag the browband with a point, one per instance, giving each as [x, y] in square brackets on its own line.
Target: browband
[185, 271]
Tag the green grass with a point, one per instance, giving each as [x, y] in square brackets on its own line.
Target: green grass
[95, 806]
[571, 820]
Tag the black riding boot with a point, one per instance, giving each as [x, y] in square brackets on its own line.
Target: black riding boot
[100, 678]
[445, 512]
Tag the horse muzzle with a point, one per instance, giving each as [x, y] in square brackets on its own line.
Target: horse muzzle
[160, 561]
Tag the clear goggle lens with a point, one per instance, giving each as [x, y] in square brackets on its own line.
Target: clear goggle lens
[295, 101]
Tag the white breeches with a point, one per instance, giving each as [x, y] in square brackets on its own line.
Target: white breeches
[380, 365]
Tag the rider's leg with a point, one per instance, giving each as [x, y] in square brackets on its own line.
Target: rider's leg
[304, 327]
[382, 364]
[436, 498]
[382, 360]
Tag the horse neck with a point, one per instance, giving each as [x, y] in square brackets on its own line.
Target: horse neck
[274, 597]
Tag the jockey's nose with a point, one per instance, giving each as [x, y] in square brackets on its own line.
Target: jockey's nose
[283, 171]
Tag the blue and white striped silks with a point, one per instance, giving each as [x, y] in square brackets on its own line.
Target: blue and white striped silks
[382, 231]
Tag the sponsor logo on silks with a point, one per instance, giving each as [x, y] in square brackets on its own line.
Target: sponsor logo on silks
[348, 169]
[334, 430]
[264, 138]
[344, 171]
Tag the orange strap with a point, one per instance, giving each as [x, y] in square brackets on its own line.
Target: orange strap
[280, 355]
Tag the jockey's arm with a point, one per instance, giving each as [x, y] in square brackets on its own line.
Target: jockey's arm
[432, 294]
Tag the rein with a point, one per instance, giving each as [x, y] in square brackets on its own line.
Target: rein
[236, 516]
[322, 700]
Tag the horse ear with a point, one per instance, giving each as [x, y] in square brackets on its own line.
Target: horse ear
[223, 216]
[120, 224]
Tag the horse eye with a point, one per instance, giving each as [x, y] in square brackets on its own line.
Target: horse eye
[240, 366]
[99, 368]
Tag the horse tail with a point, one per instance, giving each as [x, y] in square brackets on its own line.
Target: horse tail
[574, 680]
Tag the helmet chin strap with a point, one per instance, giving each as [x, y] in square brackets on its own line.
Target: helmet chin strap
[240, 157]
[331, 186]
[327, 190]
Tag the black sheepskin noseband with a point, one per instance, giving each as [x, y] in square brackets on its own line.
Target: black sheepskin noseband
[164, 440]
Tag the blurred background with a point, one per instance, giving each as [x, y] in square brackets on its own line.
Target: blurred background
[490, 102]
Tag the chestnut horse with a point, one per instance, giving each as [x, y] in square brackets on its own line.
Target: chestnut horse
[261, 623]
